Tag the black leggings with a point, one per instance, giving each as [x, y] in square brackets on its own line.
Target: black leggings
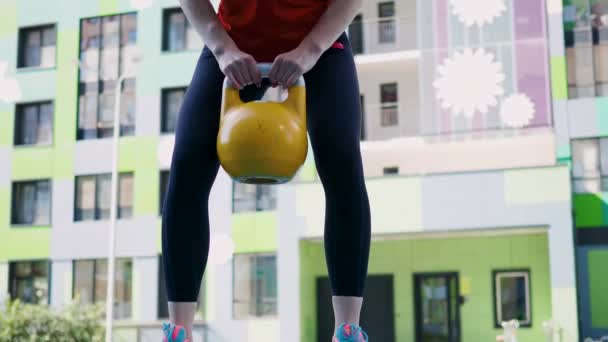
[334, 126]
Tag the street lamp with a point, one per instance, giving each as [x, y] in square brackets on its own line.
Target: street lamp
[136, 57]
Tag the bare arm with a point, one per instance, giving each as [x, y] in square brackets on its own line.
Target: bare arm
[238, 66]
[288, 67]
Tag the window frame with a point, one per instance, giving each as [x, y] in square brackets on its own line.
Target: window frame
[94, 288]
[390, 170]
[101, 85]
[97, 187]
[49, 276]
[527, 273]
[18, 113]
[163, 107]
[603, 178]
[389, 105]
[258, 207]
[21, 45]
[14, 207]
[386, 21]
[576, 29]
[249, 316]
[165, 41]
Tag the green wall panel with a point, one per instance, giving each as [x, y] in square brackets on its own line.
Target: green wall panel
[602, 115]
[474, 258]
[139, 154]
[108, 7]
[598, 278]
[8, 24]
[559, 83]
[6, 127]
[25, 243]
[32, 163]
[67, 88]
[255, 232]
[589, 210]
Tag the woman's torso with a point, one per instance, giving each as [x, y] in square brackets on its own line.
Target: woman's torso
[267, 28]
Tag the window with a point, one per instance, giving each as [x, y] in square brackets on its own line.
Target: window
[90, 284]
[29, 281]
[164, 185]
[171, 104]
[355, 35]
[37, 47]
[93, 197]
[254, 285]
[389, 106]
[386, 24]
[34, 124]
[251, 197]
[163, 309]
[32, 203]
[586, 36]
[178, 34]
[107, 46]
[590, 165]
[393, 170]
[512, 297]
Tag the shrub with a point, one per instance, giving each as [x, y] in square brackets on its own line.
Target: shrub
[39, 323]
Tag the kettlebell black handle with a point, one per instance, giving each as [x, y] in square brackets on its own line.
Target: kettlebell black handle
[264, 69]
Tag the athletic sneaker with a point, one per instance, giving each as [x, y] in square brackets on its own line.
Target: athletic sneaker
[174, 333]
[350, 333]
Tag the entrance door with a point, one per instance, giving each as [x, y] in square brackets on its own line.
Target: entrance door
[437, 307]
[377, 314]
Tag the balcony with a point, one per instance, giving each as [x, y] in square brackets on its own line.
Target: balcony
[381, 39]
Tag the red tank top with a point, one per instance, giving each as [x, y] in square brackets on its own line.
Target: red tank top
[267, 28]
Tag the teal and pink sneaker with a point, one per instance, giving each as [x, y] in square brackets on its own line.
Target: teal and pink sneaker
[174, 333]
[350, 333]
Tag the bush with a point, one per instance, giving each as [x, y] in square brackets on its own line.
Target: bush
[37, 323]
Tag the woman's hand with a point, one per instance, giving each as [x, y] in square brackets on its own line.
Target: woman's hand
[240, 68]
[288, 67]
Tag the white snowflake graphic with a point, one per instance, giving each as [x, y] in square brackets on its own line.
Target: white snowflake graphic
[469, 82]
[517, 111]
[9, 88]
[221, 248]
[478, 12]
[141, 4]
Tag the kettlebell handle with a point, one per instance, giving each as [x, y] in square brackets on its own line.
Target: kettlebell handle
[264, 69]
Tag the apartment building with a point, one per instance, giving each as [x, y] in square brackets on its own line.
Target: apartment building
[482, 139]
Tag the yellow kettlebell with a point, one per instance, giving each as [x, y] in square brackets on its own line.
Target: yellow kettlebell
[261, 142]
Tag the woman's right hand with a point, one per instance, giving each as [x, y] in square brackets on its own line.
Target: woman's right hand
[240, 68]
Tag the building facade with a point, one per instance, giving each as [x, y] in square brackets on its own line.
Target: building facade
[482, 139]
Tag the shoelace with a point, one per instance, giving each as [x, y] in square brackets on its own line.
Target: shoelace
[354, 335]
[168, 330]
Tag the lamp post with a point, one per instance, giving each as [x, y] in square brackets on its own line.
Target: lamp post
[135, 59]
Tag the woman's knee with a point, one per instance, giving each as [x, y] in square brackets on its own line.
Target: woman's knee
[342, 167]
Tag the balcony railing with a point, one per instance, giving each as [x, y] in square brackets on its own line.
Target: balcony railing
[381, 35]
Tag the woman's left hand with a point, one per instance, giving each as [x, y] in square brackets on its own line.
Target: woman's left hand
[288, 67]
